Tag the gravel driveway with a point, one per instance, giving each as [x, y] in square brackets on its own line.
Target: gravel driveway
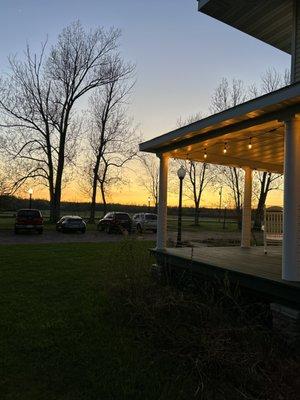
[9, 237]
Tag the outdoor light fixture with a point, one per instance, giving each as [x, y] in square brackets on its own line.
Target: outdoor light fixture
[225, 148]
[30, 191]
[181, 174]
[205, 154]
[250, 143]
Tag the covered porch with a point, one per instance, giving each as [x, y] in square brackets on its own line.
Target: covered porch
[248, 268]
[262, 134]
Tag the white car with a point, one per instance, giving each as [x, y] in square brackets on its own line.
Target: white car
[145, 222]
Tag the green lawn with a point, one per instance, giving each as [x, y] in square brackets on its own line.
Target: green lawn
[59, 338]
[85, 321]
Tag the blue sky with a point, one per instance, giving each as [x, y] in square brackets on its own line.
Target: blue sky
[180, 54]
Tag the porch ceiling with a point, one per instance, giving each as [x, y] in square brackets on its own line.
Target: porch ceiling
[260, 119]
[266, 152]
[269, 20]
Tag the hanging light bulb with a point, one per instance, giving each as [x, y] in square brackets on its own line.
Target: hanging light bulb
[250, 143]
[205, 154]
[225, 148]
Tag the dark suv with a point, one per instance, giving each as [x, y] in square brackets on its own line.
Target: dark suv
[115, 222]
[28, 219]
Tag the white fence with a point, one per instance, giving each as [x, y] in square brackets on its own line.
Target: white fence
[273, 226]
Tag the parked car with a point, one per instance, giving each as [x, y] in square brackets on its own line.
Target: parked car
[145, 222]
[115, 222]
[71, 223]
[29, 220]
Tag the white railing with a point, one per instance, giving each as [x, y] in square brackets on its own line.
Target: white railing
[273, 226]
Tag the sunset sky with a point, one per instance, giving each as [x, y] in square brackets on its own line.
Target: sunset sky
[180, 54]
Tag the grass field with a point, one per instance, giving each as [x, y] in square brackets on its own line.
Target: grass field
[59, 338]
[85, 321]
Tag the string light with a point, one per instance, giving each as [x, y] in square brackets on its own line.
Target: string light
[245, 139]
[250, 143]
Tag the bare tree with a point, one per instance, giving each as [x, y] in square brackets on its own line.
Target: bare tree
[112, 141]
[266, 182]
[199, 175]
[150, 177]
[271, 80]
[232, 178]
[38, 101]
[229, 94]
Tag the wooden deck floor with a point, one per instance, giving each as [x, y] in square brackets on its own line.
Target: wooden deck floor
[250, 267]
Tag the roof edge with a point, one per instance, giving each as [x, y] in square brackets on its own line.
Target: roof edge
[249, 106]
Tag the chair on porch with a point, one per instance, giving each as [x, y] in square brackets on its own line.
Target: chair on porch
[273, 226]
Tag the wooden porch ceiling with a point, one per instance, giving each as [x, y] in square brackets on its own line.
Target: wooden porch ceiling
[266, 152]
[268, 20]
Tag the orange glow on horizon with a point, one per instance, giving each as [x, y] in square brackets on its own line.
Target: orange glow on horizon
[137, 195]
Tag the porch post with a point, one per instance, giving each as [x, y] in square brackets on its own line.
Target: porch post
[162, 203]
[291, 216]
[246, 223]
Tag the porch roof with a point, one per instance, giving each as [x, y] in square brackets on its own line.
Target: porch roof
[269, 21]
[258, 121]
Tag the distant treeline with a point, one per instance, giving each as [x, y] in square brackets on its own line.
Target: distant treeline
[13, 203]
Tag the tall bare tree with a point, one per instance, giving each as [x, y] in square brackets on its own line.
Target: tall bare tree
[150, 175]
[270, 80]
[199, 175]
[38, 101]
[112, 140]
[232, 178]
[229, 94]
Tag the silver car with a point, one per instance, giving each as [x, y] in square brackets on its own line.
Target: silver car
[71, 223]
[145, 222]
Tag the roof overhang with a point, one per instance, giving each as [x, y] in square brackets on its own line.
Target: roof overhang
[261, 119]
[268, 20]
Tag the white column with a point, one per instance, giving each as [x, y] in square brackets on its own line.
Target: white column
[291, 216]
[162, 203]
[246, 223]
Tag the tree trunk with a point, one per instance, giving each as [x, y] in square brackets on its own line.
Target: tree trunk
[196, 214]
[259, 213]
[94, 194]
[239, 218]
[55, 207]
[265, 187]
[57, 193]
[103, 199]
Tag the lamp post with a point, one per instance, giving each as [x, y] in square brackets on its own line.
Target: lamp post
[181, 174]
[149, 199]
[30, 191]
